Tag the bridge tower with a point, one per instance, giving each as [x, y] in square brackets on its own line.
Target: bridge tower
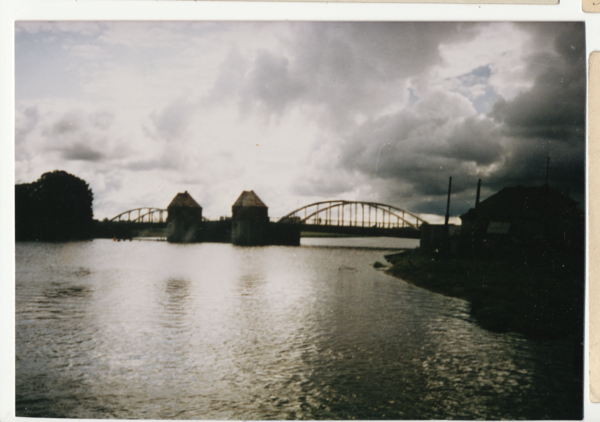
[185, 219]
[250, 220]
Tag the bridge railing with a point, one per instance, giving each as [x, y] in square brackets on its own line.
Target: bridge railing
[338, 223]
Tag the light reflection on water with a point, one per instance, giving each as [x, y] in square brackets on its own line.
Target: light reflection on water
[213, 331]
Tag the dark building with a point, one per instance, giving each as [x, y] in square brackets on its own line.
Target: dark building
[185, 219]
[528, 216]
[250, 220]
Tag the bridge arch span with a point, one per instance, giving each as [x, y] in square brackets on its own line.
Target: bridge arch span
[353, 213]
[143, 215]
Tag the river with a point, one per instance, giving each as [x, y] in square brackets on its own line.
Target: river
[153, 330]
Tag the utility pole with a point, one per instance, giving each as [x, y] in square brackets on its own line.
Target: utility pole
[448, 205]
[478, 192]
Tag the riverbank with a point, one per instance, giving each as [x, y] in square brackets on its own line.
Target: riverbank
[536, 296]
[317, 234]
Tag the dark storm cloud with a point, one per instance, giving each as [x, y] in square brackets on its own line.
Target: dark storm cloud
[549, 119]
[419, 146]
[476, 141]
[415, 151]
[526, 165]
[555, 106]
[463, 196]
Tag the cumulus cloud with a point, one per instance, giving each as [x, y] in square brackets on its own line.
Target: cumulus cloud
[416, 149]
[77, 136]
[269, 87]
[337, 72]
[26, 120]
[102, 119]
[172, 122]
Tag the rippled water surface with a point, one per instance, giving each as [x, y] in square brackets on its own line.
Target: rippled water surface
[214, 331]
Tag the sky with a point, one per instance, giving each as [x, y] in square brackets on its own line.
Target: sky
[301, 112]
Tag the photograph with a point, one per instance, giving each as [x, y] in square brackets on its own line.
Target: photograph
[299, 220]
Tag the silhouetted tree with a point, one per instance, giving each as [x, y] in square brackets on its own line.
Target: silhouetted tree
[58, 206]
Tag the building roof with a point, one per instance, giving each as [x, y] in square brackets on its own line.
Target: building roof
[525, 203]
[184, 200]
[249, 199]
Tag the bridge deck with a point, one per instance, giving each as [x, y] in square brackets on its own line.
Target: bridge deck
[408, 233]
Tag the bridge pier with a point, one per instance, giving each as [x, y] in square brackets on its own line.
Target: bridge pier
[250, 220]
[251, 226]
[184, 220]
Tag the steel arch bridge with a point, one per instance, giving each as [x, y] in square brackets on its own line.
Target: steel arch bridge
[144, 215]
[354, 214]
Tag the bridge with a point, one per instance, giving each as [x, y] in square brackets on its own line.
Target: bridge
[357, 218]
[144, 215]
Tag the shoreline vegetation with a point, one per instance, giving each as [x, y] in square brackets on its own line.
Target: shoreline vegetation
[539, 296]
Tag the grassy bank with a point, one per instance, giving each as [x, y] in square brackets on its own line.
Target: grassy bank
[537, 296]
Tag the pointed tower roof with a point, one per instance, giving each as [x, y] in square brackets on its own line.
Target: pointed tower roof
[184, 200]
[249, 199]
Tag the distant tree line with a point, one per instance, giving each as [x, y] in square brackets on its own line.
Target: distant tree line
[56, 207]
